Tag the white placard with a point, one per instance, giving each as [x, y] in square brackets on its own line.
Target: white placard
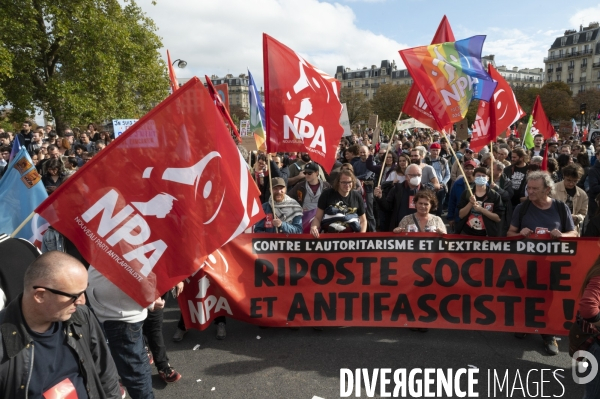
[345, 121]
[244, 127]
[120, 125]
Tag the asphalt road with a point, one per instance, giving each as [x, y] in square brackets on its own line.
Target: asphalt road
[285, 363]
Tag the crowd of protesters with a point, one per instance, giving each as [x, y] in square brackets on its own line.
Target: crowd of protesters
[415, 181]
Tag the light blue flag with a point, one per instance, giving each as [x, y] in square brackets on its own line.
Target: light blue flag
[21, 191]
[257, 115]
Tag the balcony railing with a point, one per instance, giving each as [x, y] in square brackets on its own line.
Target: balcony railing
[558, 69]
[579, 53]
[554, 57]
[569, 80]
[582, 79]
[583, 66]
[374, 85]
[571, 67]
[596, 65]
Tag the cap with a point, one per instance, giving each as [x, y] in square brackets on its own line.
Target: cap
[435, 146]
[277, 181]
[311, 167]
[470, 163]
[67, 134]
[469, 150]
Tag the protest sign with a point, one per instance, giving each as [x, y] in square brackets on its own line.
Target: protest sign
[391, 280]
[462, 130]
[345, 121]
[244, 127]
[120, 125]
[372, 124]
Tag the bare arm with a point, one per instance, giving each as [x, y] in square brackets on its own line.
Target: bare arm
[315, 226]
[363, 223]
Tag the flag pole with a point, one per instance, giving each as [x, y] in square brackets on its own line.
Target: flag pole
[491, 164]
[459, 165]
[388, 149]
[271, 188]
[14, 233]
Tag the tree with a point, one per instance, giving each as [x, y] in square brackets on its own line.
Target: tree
[526, 97]
[237, 112]
[81, 60]
[5, 68]
[357, 105]
[558, 85]
[591, 98]
[388, 101]
[558, 104]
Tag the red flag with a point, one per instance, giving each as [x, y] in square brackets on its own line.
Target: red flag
[177, 190]
[302, 105]
[172, 76]
[221, 107]
[541, 124]
[496, 116]
[415, 104]
[545, 161]
[223, 91]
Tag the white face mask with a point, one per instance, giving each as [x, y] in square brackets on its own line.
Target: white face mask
[481, 180]
[415, 181]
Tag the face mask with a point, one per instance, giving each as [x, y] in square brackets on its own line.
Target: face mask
[415, 181]
[481, 181]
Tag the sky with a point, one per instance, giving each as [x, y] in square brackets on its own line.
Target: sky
[225, 36]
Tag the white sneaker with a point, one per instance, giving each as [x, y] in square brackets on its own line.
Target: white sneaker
[178, 336]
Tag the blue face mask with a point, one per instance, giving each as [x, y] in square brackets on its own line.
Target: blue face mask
[481, 180]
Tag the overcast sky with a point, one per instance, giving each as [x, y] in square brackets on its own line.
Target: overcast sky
[225, 36]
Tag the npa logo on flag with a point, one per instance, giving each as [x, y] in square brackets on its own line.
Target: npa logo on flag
[152, 227]
[303, 106]
[450, 75]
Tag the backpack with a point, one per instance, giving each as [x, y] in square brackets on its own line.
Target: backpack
[561, 211]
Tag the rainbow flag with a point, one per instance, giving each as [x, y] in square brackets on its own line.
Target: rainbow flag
[257, 115]
[450, 75]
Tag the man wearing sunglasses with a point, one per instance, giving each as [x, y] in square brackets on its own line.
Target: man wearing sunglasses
[51, 341]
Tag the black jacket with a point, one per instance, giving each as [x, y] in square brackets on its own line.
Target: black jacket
[493, 229]
[83, 334]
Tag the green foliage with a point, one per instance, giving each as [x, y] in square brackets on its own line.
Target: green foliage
[357, 105]
[387, 128]
[526, 97]
[591, 97]
[558, 103]
[388, 101]
[80, 60]
[562, 86]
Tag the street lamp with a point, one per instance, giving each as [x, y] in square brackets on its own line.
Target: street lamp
[180, 63]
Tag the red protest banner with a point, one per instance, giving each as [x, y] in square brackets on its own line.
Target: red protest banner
[302, 105]
[149, 222]
[424, 280]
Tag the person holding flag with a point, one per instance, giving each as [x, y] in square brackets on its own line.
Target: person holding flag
[283, 215]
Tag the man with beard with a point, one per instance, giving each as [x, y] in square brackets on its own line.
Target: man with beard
[287, 216]
[36, 141]
[367, 179]
[25, 135]
[538, 141]
[296, 174]
[516, 173]
[307, 193]
[84, 138]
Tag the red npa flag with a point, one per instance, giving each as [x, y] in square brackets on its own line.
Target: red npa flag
[172, 77]
[541, 124]
[149, 208]
[302, 105]
[495, 116]
[221, 106]
[415, 104]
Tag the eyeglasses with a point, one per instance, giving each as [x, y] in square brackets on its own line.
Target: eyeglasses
[572, 181]
[74, 297]
[345, 182]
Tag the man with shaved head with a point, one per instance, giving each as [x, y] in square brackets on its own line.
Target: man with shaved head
[50, 340]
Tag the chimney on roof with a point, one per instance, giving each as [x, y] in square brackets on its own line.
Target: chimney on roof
[580, 28]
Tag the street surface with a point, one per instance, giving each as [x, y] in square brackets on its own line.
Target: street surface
[305, 363]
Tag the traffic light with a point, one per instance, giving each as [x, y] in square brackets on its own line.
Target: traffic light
[582, 108]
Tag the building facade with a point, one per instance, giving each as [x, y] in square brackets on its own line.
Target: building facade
[574, 58]
[237, 86]
[368, 80]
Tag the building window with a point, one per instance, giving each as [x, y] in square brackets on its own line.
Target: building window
[560, 53]
[357, 91]
[573, 50]
[575, 39]
[349, 84]
[582, 88]
[357, 83]
[563, 41]
[382, 80]
[588, 37]
[584, 62]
